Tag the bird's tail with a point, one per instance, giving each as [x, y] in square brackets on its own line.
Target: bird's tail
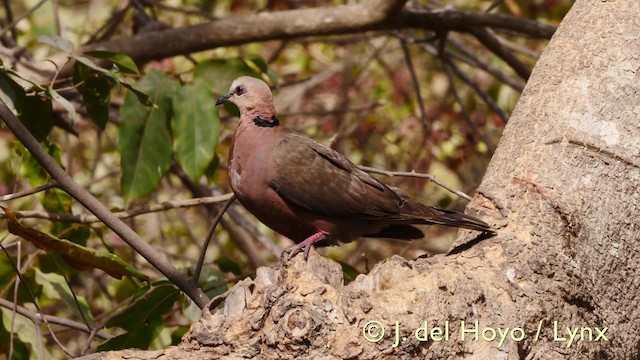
[431, 215]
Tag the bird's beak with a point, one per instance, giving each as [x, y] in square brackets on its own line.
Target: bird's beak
[223, 99]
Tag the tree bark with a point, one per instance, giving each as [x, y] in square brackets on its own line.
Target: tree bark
[563, 188]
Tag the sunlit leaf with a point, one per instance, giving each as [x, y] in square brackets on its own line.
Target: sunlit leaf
[227, 265]
[124, 62]
[57, 201]
[348, 271]
[71, 110]
[30, 168]
[55, 287]
[196, 127]
[79, 257]
[25, 330]
[8, 93]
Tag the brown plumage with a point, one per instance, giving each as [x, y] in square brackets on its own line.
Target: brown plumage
[309, 192]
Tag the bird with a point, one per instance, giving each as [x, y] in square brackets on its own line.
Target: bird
[311, 193]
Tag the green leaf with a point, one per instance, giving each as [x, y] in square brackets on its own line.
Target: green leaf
[80, 257]
[34, 111]
[178, 333]
[95, 88]
[139, 338]
[31, 168]
[349, 272]
[56, 201]
[227, 265]
[258, 63]
[20, 349]
[143, 318]
[143, 97]
[57, 42]
[64, 102]
[124, 62]
[91, 65]
[9, 92]
[55, 287]
[25, 330]
[218, 74]
[145, 141]
[196, 127]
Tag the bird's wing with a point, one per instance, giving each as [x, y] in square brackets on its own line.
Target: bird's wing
[323, 181]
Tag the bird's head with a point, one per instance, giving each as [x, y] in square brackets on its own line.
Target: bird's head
[252, 97]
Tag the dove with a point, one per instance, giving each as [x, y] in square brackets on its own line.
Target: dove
[311, 193]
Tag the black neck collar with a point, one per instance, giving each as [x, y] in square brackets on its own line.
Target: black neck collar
[262, 122]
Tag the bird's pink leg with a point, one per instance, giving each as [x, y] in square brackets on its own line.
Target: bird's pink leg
[305, 244]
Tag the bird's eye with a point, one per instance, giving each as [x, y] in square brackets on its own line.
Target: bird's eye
[240, 89]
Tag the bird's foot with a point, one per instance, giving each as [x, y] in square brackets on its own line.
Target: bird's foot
[305, 245]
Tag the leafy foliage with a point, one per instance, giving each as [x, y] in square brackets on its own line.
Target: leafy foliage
[126, 132]
[143, 318]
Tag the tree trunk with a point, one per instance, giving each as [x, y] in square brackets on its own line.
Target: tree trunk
[561, 278]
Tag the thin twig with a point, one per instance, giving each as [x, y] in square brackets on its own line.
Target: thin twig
[97, 208]
[416, 175]
[475, 87]
[127, 214]
[35, 190]
[463, 109]
[205, 245]
[238, 235]
[33, 316]
[416, 84]
[75, 298]
[468, 56]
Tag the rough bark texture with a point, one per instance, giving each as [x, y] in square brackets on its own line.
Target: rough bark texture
[564, 188]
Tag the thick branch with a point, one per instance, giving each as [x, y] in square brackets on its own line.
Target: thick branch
[289, 24]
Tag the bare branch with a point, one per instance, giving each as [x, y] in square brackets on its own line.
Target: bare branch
[35, 190]
[36, 318]
[416, 175]
[475, 87]
[416, 83]
[205, 245]
[490, 41]
[239, 235]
